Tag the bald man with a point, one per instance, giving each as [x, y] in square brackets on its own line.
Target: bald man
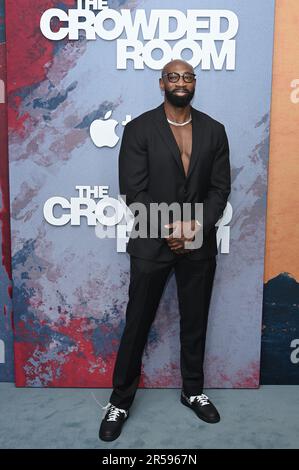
[172, 153]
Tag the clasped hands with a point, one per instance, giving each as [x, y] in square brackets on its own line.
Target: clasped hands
[184, 231]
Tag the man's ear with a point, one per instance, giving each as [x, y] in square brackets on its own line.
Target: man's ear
[161, 83]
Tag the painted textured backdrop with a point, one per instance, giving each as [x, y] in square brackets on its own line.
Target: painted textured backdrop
[6, 334]
[70, 288]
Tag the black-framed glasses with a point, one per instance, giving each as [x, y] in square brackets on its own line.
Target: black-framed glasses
[174, 77]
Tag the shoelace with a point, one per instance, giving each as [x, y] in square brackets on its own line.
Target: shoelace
[202, 399]
[113, 413]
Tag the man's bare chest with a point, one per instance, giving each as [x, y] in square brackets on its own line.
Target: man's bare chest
[183, 137]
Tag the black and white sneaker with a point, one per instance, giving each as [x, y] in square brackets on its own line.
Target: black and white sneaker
[112, 422]
[202, 407]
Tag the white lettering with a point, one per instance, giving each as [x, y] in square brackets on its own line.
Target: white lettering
[2, 352]
[295, 354]
[295, 92]
[197, 30]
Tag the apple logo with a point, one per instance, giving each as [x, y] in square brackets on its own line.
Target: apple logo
[102, 131]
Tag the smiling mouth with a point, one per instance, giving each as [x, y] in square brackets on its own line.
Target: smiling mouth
[181, 91]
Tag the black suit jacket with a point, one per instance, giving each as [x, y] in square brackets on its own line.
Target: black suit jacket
[151, 170]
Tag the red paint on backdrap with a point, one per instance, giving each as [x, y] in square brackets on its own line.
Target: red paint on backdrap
[4, 178]
[248, 377]
[9, 290]
[28, 51]
[79, 367]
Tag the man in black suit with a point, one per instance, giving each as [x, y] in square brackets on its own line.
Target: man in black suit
[170, 154]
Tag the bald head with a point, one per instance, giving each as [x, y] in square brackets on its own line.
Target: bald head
[170, 66]
[179, 86]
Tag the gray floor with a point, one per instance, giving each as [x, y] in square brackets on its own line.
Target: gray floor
[69, 418]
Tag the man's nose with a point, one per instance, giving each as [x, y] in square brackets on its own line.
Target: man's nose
[181, 80]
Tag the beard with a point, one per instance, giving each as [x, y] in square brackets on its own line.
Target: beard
[177, 100]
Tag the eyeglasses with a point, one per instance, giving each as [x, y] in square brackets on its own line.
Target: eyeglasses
[174, 77]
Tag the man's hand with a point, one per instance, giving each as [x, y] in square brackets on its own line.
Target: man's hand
[184, 231]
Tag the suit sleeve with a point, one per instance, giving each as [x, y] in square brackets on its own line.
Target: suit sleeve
[220, 185]
[134, 171]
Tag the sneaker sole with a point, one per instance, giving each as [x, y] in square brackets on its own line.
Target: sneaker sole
[109, 439]
[115, 436]
[184, 402]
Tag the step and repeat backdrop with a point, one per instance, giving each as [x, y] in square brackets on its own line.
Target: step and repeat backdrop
[280, 334]
[77, 72]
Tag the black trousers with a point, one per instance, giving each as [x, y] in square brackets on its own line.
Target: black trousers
[194, 280]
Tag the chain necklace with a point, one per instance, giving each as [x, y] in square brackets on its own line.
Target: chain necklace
[180, 123]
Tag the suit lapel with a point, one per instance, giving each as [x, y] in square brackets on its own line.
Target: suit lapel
[168, 137]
